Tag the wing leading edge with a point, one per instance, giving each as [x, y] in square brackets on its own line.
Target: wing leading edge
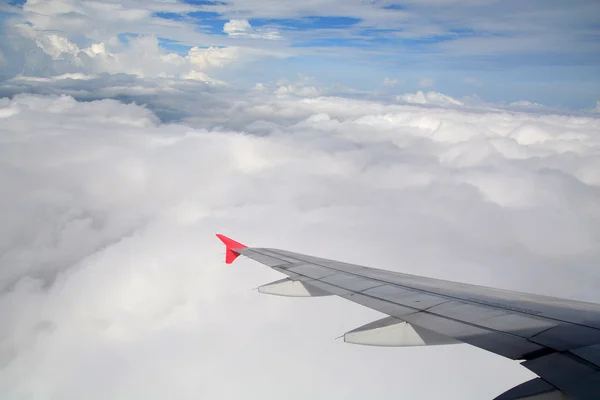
[557, 339]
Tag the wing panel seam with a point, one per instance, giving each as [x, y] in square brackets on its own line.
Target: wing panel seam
[470, 301]
[427, 312]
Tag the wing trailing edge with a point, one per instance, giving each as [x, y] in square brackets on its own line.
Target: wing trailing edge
[535, 389]
[290, 288]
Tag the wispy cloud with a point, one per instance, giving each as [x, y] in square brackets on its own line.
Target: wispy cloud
[390, 82]
[426, 82]
[242, 28]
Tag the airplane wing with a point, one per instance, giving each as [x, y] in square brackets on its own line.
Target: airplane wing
[557, 339]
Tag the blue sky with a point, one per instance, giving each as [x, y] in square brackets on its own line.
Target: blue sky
[542, 51]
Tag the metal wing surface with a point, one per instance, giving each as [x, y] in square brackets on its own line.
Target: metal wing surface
[557, 339]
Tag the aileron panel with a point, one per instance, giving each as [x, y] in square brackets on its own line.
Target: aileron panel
[405, 297]
[351, 282]
[492, 318]
[507, 345]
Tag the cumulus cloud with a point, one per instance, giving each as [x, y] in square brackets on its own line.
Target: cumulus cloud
[170, 98]
[242, 28]
[55, 45]
[303, 86]
[60, 37]
[428, 98]
[524, 103]
[299, 90]
[237, 27]
[142, 57]
[426, 82]
[113, 285]
[212, 57]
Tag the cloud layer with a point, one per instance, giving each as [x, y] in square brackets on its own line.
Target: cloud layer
[113, 286]
[128, 139]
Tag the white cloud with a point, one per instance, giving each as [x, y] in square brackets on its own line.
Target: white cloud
[371, 14]
[426, 82]
[242, 28]
[299, 90]
[237, 27]
[102, 21]
[597, 109]
[390, 82]
[428, 98]
[212, 57]
[56, 37]
[75, 76]
[111, 275]
[524, 103]
[303, 86]
[57, 46]
[142, 57]
[260, 86]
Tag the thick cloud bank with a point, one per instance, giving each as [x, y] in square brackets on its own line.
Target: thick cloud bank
[112, 284]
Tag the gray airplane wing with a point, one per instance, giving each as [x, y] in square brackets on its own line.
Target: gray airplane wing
[557, 339]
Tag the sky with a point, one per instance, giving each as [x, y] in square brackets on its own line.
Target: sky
[452, 139]
[541, 51]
